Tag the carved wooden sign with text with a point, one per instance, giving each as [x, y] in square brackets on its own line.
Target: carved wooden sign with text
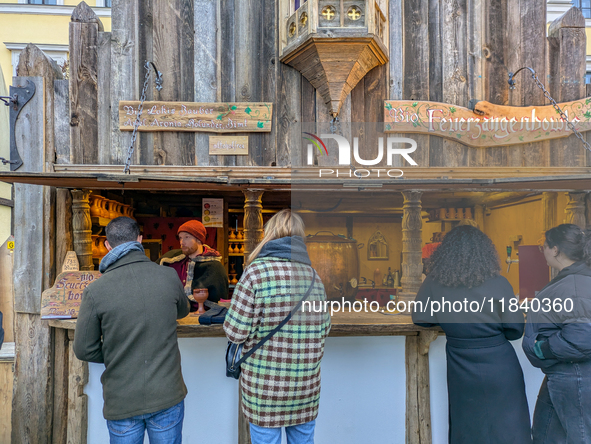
[488, 125]
[62, 301]
[238, 117]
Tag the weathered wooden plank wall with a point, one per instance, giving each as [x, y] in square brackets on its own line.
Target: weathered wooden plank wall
[566, 56]
[125, 74]
[173, 47]
[224, 50]
[33, 271]
[84, 44]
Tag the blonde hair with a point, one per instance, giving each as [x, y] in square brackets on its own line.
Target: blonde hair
[283, 224]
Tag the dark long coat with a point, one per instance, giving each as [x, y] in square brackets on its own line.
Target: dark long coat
[486, 390]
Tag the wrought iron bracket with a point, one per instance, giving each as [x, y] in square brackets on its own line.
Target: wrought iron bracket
[19, 97]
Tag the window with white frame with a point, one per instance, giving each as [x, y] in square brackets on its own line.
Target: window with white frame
[103, 3]
[584, 6]
[42, 2]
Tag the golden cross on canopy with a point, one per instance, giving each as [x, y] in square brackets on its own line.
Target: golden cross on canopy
[354, 13]
[328, 13]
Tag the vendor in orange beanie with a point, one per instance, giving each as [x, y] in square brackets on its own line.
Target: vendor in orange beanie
[199, 266]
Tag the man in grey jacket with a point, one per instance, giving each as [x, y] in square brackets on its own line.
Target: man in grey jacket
[127, 321]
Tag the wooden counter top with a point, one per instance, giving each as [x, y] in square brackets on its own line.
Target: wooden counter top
[343, 324]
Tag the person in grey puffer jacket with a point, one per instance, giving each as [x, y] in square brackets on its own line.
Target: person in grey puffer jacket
[559, 341]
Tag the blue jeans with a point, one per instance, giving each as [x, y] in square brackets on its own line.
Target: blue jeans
[298, 434]
[563, 409]
[164, 427]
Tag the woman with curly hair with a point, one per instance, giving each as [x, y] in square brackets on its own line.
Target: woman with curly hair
[486, 390]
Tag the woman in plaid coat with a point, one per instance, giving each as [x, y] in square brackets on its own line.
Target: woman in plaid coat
[281, 380]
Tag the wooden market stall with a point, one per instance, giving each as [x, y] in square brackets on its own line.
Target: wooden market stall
[249, 78]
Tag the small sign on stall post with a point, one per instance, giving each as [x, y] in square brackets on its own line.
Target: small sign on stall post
[71, 262]
[228, 145]
[213, 213]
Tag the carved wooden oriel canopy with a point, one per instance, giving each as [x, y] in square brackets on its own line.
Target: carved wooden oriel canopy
[334, 43]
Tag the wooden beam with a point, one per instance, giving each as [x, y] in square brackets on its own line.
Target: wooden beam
[567, 67]
[33, 62]
[174, 43]
[61, 359]
[6, 385]
[77, 400]
[29, 214]
[64, 236]
[61, 121]
[126, 73]
[103, 115]
[454, 34]
[205, 65]
[32, 406]
[34, 255]
[84, 43]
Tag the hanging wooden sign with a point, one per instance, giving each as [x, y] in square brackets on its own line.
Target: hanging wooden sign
[228, 145]
[488, 125]
[237, 117]
[62, 301]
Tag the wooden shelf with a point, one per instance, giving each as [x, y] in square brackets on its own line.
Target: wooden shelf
[235, 241]
[448, 220]
[100, 221]
[235, 254]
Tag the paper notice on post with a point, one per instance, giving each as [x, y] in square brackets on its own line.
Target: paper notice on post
[213, 213]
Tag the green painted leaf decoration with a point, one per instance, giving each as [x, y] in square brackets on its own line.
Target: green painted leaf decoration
[388, 127]
[415, 104]
[587, 101]
[388, 106]
[521, 138]
[587, 114]
[220, 117]
[260, 124]
[247, 110]
[483, 137]
[459, 136]
[233, 108]
[452, 109]
[415, 124]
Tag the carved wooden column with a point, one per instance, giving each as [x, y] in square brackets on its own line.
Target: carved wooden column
[253, 234]
[575, 209]
[412, 265]
[253, 220]
[81, 225]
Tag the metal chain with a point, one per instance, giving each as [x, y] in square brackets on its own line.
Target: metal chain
[140, 109]
[540, 85]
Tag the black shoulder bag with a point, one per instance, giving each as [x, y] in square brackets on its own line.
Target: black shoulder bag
[234, 351]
